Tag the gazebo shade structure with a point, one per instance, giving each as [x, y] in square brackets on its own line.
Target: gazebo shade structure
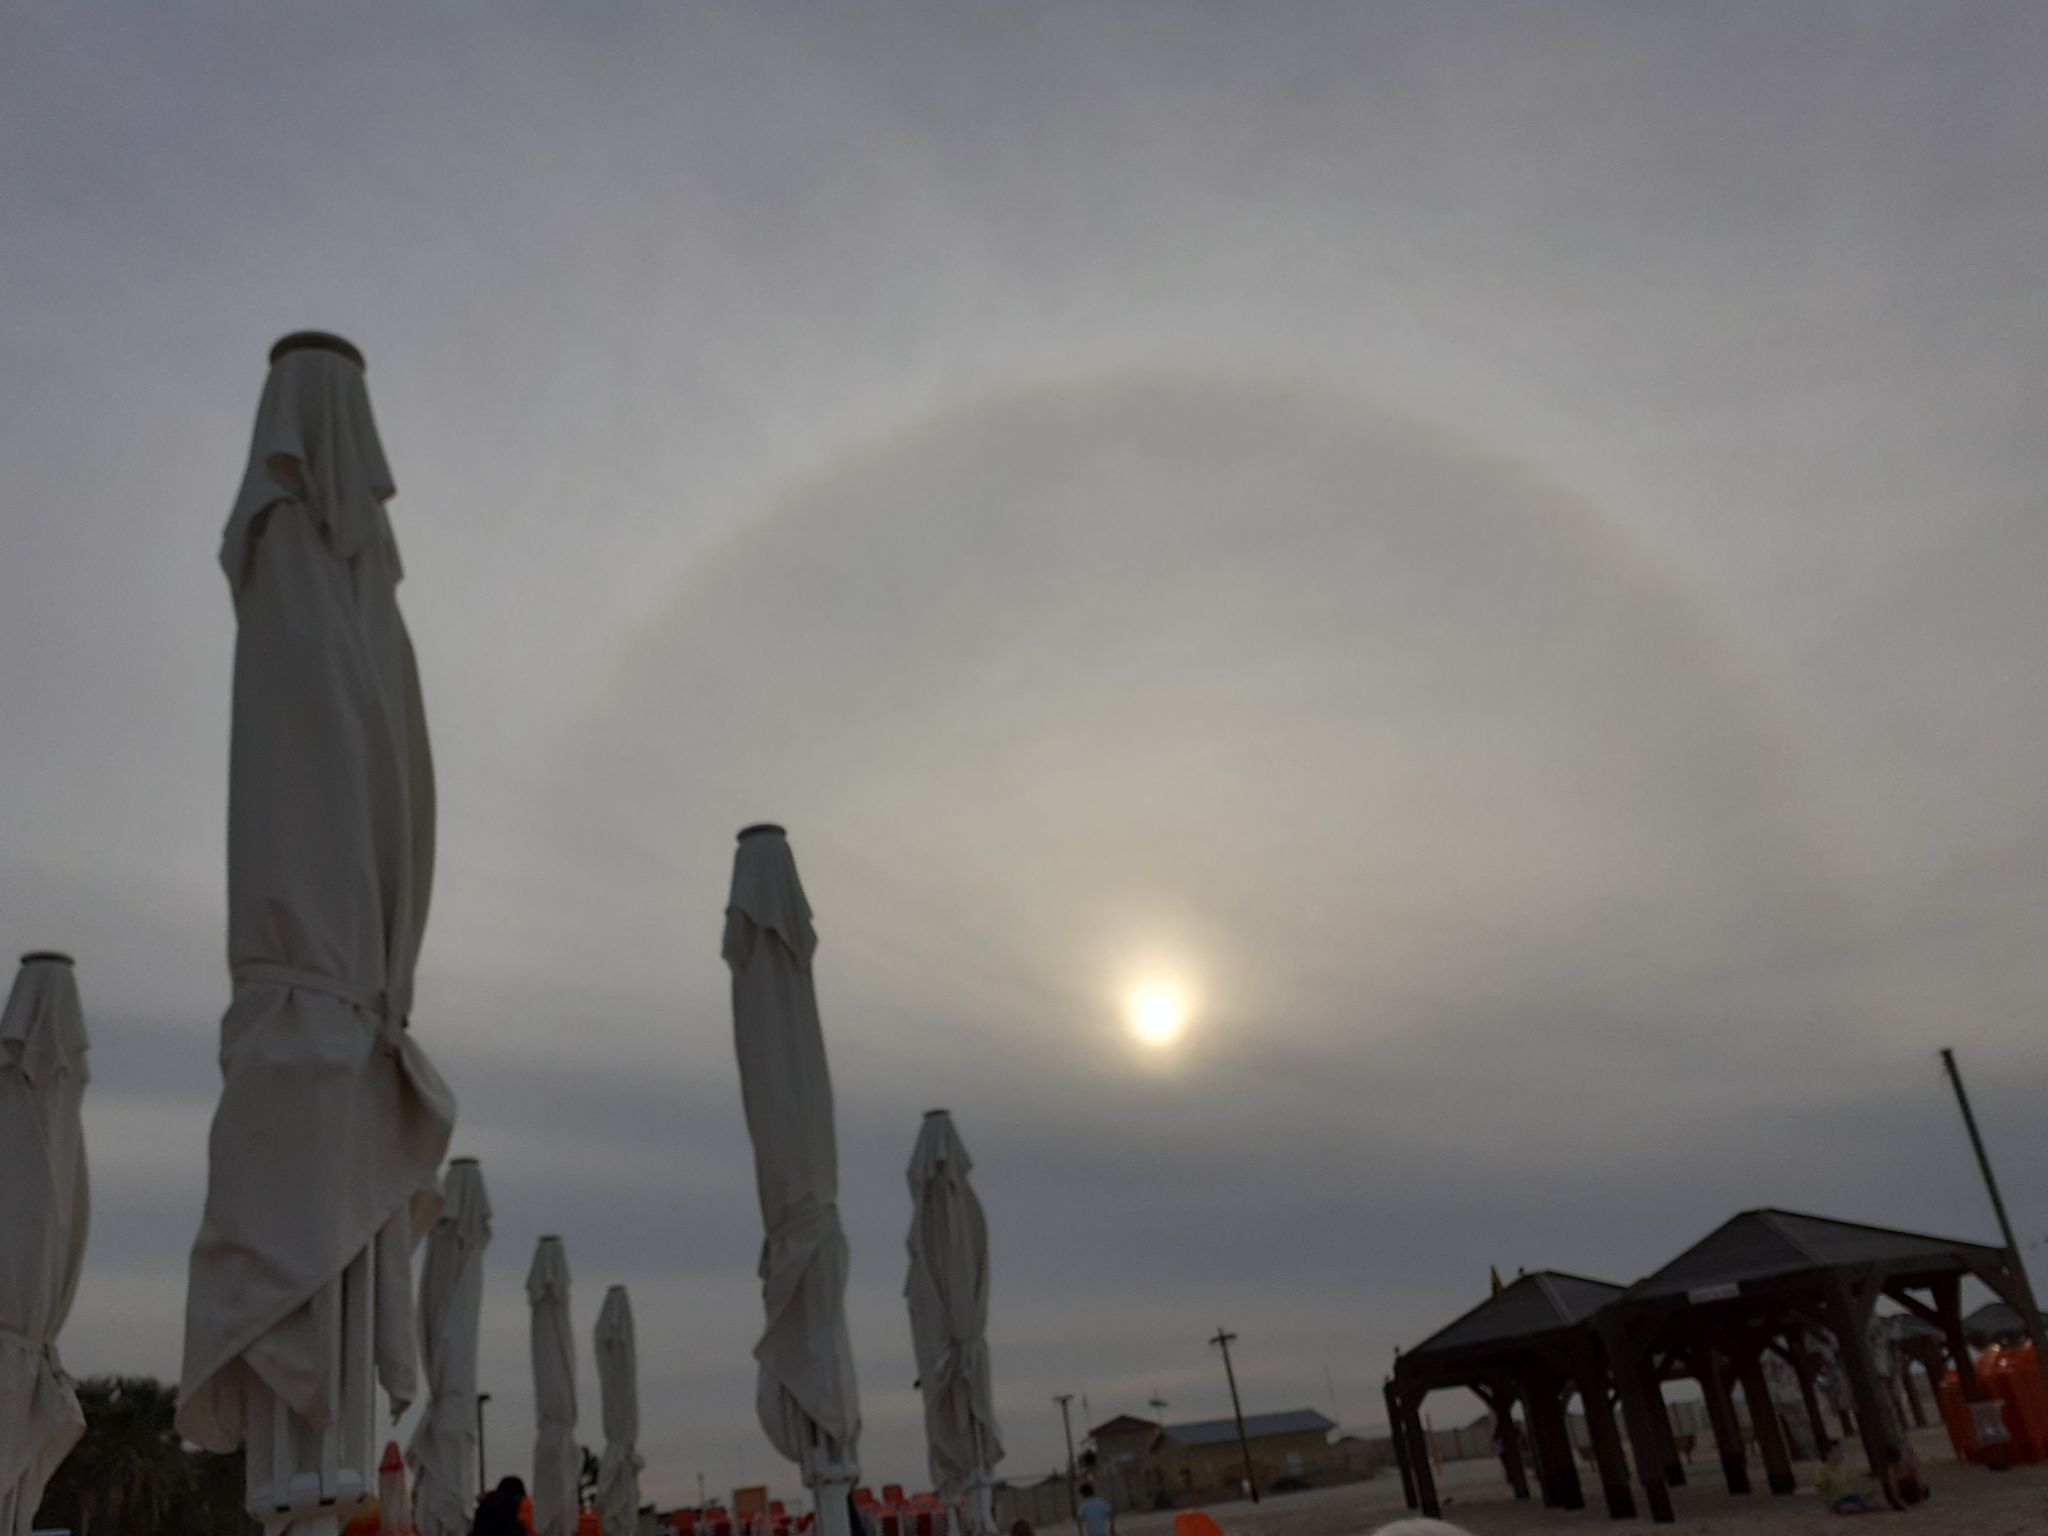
[1767, 1280]
[1995, 1323]
[1533, 1340]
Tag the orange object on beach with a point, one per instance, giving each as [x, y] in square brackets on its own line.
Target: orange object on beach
[2015, 1380]
[587, 1523]
[1196, 1522]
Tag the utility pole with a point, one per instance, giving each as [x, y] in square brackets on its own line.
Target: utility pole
[1158, 1406]
[482, 1478]
[1223, 1341]
[700, 1495]
[1067, 1424]
[2031, 1313]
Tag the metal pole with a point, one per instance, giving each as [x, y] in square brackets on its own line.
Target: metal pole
[1067, 1424]
[483, 1485]
[1223, 1341]
[2032, 1312]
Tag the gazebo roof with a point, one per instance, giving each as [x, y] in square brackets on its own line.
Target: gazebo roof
[1769, 1245]
[1530, 1307]
[1993, 1320]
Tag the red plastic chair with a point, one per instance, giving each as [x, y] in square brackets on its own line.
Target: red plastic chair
[892, 1494]
[1196, 1522]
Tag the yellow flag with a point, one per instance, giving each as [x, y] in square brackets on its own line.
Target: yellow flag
[1495, 1272]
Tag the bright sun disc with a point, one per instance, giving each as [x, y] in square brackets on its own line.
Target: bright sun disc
[1158, 1018]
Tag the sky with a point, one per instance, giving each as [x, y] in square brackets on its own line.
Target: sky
[1495, 551]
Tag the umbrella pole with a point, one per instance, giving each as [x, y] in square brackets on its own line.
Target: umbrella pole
[831, 1488]
[303, 1482]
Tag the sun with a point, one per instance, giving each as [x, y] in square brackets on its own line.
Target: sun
[1157, 1017]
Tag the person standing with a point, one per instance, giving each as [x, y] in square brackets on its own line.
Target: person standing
[1097, 1518]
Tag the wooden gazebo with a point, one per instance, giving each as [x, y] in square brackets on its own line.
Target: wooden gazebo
[1769, 1280]
[1534, 1342]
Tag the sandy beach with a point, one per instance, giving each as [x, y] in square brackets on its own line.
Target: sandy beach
[1967, 1501]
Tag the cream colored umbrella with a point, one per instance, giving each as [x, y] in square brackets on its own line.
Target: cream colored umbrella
[618, 1391]
[806, 1399]
[443, 1452]
[332, 1122]
[556, 1459]
[947, 1289]
[44, 1209]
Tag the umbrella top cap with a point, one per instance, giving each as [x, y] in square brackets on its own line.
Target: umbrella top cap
[317, 341]
[47, 957]
[762, 829]
[461, 1162]
[930, 1113]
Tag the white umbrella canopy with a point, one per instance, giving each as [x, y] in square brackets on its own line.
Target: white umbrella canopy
[332, 1122]
[618, 1390]
[807, 1398]
[556, 1460]
[443, 1451]
[44, 1211]
[947, 1289]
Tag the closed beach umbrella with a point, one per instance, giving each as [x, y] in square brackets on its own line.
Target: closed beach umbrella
[947, 1289]
[43, 1212]
[444, 1450]
[556, 1460]
[618, 1392]
[806, 1397]
[331, 1122]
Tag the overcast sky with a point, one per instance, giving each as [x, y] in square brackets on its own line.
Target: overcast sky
[1496, 550]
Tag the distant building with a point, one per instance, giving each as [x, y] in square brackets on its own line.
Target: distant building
[1157, 1463]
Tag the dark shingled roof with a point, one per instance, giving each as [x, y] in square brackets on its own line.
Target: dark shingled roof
[1775, 1245]
[1993, 1320]
[1528, 1307]
[1295, 1421]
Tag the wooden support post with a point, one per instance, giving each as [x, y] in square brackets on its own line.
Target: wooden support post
[1425, 1465]
[1501, 1399]
[1713, 1382]
[1948, 1305]
[1634, 1372]
[1397, 1432]
[1763, 1417]
[1560, 1475]
[1809, 1395]
[1658, 1413]
[1607, 1451]
[1852, 1345]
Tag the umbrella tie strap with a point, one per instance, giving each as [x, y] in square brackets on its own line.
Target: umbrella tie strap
[45, 1351]
[376, 1004]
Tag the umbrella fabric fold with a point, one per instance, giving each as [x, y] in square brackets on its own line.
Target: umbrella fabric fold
[331, 1122]
[618, 1390]
[807, 1399]
[556, 1459]
[44, 1212]
[947, 1289]
[443, 1452]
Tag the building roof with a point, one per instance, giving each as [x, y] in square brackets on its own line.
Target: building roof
[1775, 1245]
[1124, 1424]
[1993, 1320]
[1295, 1421]
[1526, 1308]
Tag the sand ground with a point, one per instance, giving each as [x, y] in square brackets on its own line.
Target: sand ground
[1967, 1501]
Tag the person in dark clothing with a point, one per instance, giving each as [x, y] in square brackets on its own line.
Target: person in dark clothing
[497, 1513]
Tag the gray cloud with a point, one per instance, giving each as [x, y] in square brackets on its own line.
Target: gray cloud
[1495, 551]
